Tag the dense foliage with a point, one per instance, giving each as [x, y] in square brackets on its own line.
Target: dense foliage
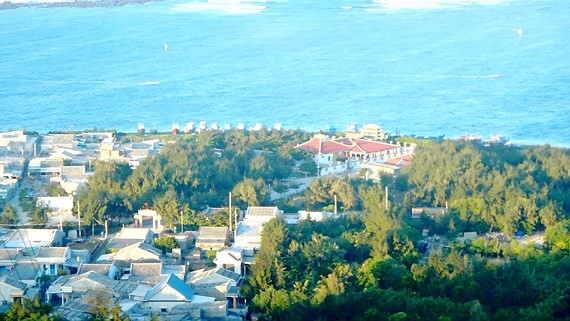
[193, 173]
[372, 264]
[30, 310]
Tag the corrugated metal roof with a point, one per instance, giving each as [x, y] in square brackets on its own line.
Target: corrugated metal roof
[176, 284]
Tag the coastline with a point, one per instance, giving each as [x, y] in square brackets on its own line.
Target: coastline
[7, 5]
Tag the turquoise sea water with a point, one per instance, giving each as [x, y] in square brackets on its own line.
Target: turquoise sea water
[303, 63]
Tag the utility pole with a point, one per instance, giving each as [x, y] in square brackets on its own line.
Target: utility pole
[106, 227]
[386, 197]
[236, 219]
[79, 218]
[181, 222]
[230, 210]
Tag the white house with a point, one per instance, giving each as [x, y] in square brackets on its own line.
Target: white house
[11, 289]
[212, 238]
[169, 293]
[129, 236]
[135, 252]
[33, 238]
[337, 155]
[51, 260]
[314, 215]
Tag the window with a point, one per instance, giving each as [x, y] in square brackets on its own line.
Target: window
[163, 310]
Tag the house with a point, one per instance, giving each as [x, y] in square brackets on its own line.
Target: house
[18, 142]
[63, 140]
[108, 269]
[129, 236]
[401, 161]
[139, 251]
[261, 213]
[373, 131]
[335, 155]
[45, 167]
[74, 311]
[9, 257]
[53, 260]
[375, 170]
[172, 291]
[27, 272]
[152, 272]
[248, 234]
[214, 282]
[73, 178]
[430, 211]
[11, 290]
[32, 238]
[314, 216]
[236, 258]
[212, 238]
[8, 187]
[68, 287]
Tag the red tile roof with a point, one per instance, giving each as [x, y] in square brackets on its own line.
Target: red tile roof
[402, 161]
[318, 145]
[371, 146]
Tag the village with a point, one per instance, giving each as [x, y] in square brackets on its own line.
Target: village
[198, 275]
[199, 279]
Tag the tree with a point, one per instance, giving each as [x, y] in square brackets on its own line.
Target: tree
[9, 215]
[55, 190]
[250, 192]
[30, 310]
[558, 236]
[309, 167]
[165, 243]
[40, 215]
[102, 308]
[169, 206]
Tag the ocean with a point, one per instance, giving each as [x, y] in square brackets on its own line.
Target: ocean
[421, 67]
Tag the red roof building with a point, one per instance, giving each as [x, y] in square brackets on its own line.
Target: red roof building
[348, 147]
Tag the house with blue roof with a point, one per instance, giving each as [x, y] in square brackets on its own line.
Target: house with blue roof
[172, 292]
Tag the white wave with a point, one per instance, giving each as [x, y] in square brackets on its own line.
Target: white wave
[146, 83]
[431, 4]
[220, 6]
[485, 76]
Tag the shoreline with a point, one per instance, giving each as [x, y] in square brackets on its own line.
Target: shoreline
[7, 5]
[514, 143]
